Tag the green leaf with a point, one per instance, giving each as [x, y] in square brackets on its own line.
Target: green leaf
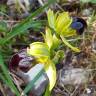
[27, 23]
[58, 56]
[2, 77]
[47, 92]
[86, 1]
[19, 29]
[3, 8]
[3, 26]
[8, 77]
[69, 45]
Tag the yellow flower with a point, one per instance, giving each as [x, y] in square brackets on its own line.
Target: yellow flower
[51, 40]
[61, 22]
[41, 52]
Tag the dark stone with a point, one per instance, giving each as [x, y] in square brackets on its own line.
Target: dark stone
[21, 60]
[79, 25]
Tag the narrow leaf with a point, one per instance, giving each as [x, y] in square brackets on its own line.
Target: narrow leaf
[8, 77]
[23, 26]
[69, 45]
[86, 1]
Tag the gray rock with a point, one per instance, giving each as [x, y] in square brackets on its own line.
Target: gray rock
[40, 84]
[11, 2]
[87, 12]
[74, 76]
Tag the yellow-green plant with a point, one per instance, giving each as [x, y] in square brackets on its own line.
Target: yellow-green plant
[45, 52]
[41, 51]
[60, 23]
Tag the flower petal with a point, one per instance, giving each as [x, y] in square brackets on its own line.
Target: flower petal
[51, 73]
[48, 38]
[51, 18]
[39, 50]
[63, 21]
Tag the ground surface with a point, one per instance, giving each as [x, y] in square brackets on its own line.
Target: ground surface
[13, 13]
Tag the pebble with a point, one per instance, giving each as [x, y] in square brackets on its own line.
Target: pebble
[74, 76]
[40, 83]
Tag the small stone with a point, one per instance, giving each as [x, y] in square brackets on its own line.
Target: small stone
[12, 2]
[88, 90]
[87, 12]
[73, 76]
[40, 84]
[21, 60]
